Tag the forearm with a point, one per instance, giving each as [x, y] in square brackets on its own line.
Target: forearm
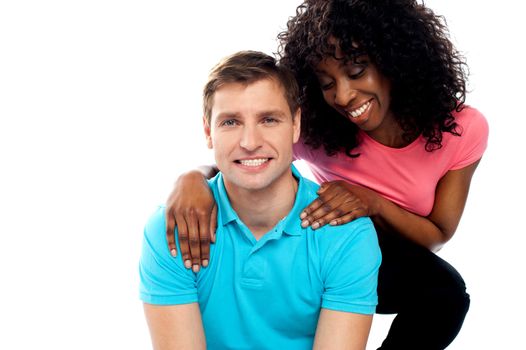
[204, 172]
[440, 225]
[175, 327]
[419, 229]
[342, 330]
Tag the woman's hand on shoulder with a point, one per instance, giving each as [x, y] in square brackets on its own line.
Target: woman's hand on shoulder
[192, 208]
[339, 203]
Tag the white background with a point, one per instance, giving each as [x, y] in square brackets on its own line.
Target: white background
[100, 107]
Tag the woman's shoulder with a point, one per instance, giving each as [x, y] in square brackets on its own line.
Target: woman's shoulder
[471, 120]
[473, 129]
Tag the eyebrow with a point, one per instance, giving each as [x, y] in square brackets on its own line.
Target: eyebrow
[224, 115]
[342, 63]
[275, 112]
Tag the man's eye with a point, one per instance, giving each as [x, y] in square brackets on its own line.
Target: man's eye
[270, 120]
[229, 122]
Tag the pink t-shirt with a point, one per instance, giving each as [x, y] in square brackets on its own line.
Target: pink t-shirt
[407, 176]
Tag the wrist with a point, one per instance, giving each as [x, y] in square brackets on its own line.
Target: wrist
[378, 205]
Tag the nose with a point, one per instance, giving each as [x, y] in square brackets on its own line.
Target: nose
[251, 138]
[344, 93]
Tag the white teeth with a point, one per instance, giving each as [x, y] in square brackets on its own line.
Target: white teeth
[253, 162]
[358, 111]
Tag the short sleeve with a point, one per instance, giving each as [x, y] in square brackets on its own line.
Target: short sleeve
[473, 141]
[163, 279]
[351, 272]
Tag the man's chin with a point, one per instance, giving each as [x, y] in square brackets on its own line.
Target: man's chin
[248, 185]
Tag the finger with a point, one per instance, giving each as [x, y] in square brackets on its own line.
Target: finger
[205, 250]
[317, 203]
[213, 224]
[342, 204]
[170, 233]
[182, 233]
[193, 239]
[353, 215]
[317, 218]
[204, 238]
[330, 217]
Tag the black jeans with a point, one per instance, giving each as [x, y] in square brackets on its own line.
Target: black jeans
[426, 292]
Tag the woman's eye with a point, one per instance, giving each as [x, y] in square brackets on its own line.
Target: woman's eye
[326, 86]
[356, 71]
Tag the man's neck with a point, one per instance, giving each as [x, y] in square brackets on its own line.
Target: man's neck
[261, 210]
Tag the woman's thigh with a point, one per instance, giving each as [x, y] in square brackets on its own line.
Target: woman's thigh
[413, 276]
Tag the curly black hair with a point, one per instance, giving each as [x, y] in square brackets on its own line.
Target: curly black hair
[406, 41]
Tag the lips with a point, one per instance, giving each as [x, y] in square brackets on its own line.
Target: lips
[357, 112]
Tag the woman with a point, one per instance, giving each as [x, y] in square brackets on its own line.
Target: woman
[386, 132]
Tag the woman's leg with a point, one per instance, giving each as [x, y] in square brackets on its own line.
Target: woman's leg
[426, 292]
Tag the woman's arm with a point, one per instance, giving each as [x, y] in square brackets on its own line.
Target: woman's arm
[191, 206]
[340, 202]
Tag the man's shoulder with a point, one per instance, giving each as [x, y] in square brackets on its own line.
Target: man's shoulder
[309, 189]
[155, 232]
[341, 234]
[156, 221]
[349, 231]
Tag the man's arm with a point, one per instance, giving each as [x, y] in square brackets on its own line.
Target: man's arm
[350, 275]
[169, 293]
[342, 330]
[175, 326]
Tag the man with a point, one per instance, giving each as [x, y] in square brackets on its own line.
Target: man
[270, 283]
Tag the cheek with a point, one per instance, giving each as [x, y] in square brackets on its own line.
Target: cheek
[384, 87]
[386, 92]
[221, 157]
[327, 97]
[218, 146]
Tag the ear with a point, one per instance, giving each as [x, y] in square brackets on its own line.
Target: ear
[296, 124]
[206, 127]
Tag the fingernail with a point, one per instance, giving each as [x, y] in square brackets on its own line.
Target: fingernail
[315, 225]
[333, 222]
[303, 215]
[205, 262]
[305, 223]
[195, 268]
[174, 252]
[187, 264]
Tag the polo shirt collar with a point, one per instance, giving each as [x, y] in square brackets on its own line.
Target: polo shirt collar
[290, 225]
[224, 208]
[292, 222]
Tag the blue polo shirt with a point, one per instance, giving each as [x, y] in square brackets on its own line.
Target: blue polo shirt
[266, 294]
